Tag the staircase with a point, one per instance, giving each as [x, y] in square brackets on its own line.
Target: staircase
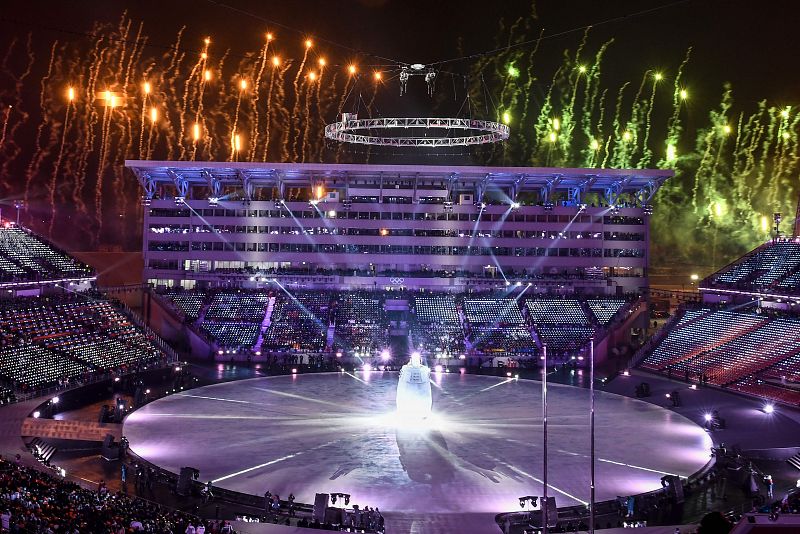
[41, 450]
[329, 336]
[659, 336]
[264, 325]
[794, 461]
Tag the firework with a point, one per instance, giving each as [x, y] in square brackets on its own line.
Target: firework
[737, 168]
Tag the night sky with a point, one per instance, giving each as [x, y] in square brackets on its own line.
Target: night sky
[750, 45]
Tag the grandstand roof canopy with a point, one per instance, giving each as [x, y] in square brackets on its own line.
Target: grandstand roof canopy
[303, 174]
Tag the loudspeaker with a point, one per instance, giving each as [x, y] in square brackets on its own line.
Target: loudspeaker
[185, 479]
[334, 516]
[320, 505]
[537, 516]
[674, 487]
[109, 451]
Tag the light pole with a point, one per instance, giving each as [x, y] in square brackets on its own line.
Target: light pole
[694, 278]
[591, 435]
[544, 433]
[19, 205]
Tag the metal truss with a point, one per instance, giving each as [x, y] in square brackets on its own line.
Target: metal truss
[488, 132]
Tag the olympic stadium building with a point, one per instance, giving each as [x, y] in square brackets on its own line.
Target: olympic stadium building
[453, 228]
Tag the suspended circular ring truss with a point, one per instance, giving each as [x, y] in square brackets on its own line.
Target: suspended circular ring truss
[480, 132]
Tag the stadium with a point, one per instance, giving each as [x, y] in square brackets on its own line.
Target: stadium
[280, 279]
[277, 303]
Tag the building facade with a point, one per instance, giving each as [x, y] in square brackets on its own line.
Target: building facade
[442, 227]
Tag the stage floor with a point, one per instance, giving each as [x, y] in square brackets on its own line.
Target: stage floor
[479, 453]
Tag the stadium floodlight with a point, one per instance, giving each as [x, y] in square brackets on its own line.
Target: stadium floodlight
[708, 417]
[515, 205]
[385, 355]
[769, 408]
[213, 201]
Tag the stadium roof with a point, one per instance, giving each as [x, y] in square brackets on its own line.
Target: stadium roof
[184, 174]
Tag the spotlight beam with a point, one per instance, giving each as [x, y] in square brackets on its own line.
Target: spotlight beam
[294, 396]
[272, 462]
[528, 475]
[506, 381]
[356, 378]
[212, 398]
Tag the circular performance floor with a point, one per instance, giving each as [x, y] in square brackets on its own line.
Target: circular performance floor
[480, 451]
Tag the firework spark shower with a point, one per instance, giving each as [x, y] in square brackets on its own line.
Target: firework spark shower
[117, 92]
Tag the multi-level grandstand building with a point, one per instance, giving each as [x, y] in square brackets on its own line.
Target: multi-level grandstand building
[369, 226]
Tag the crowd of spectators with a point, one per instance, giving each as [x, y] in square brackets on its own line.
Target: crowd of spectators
[7, 395]
[57, 340]
[751, 351]
[360, 321]
[299, 322]
[790, 504]
[32, 501]
[25, 257]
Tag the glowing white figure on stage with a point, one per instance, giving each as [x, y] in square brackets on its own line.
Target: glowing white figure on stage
[414, 389]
